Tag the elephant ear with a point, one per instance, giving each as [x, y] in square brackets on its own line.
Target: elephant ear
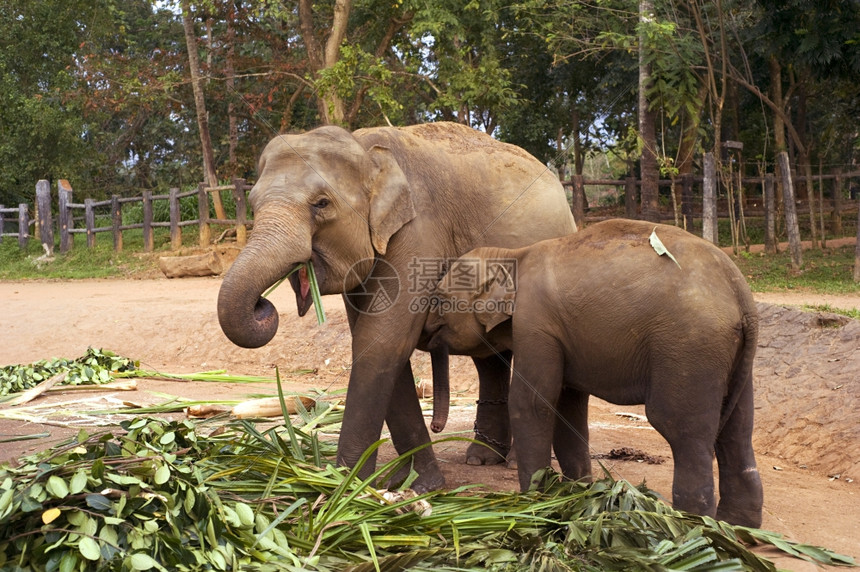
[391, 204]
[498, 297]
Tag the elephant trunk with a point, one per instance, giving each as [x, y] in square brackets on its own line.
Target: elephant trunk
[248, 319]
[441, 387]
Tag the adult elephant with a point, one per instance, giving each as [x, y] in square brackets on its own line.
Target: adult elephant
[378, 212]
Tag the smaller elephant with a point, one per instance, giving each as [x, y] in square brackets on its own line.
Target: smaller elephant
[602, 312]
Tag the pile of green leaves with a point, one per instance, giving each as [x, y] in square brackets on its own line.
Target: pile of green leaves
[174, 496]
[95, 367]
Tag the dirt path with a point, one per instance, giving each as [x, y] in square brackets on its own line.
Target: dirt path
[171, 326]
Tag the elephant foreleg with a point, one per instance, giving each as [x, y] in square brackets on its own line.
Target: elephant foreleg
[492, 424]
[570, 439]
[406, 424]
[535, 391]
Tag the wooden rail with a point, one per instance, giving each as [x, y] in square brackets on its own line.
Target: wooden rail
[20, 213]
[67, 209]
[68, 212]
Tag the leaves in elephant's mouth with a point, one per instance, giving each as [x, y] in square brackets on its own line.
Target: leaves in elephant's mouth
[314, 288]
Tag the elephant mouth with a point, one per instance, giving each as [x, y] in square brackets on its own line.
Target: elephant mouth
[301, 284]
[432, 338]
[302, 287]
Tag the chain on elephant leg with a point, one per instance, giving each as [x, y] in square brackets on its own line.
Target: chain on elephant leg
[490, 451]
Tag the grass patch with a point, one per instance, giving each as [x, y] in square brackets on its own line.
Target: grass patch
[81, 262]
[825, 271]
[853, 313]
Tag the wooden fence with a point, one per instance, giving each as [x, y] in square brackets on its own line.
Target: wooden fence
[21, 213]
[68, 212]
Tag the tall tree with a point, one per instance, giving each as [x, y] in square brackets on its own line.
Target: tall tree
[648, 173]
[325, 55]
[200, 105]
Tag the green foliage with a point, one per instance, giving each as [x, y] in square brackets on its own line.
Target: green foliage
[170, 495]
[95, 367]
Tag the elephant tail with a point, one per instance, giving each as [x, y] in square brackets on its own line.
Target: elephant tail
[742, 376]
[441, 388]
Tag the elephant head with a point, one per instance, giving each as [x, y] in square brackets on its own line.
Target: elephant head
[319, 197]
[475, 320]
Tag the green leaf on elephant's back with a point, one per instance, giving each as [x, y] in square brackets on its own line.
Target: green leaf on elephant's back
[659, 247]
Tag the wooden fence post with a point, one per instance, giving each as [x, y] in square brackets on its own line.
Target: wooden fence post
[116, 222]
[65, 222]
[709, 198]
[630, 201]
[578, 201]
[175, 218]
[241, 212]
[770, 244]
[836, 215]
[148, 241]
[203, 215]
[23, 226]
[43, 216]
[790, 211]
[90, 218]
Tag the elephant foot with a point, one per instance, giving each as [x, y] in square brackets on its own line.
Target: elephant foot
[428, 482]
[738, 516]
[483, 454]
[428, 479]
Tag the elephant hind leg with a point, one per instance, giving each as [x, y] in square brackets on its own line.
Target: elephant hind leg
[492, 423]
[689, 421]
[741, 497]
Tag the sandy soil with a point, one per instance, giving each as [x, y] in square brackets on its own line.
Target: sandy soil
[170, 325]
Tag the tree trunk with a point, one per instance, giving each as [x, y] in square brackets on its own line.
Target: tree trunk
[778, 124]
[709, 206]
[200, 104]
[329, 104]
[836, 217]
[649, 191]
[230, 70]
[790, 212]
[770, 243]
[577, 142]
[810, 194]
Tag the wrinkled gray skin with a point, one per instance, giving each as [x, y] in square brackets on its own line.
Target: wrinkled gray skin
[366, 208]
[600, 312]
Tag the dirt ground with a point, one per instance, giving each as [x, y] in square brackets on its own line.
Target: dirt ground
[171, 326]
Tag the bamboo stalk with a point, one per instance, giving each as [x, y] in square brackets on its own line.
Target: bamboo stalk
[35, 392]
[270, 407]
[129, 385]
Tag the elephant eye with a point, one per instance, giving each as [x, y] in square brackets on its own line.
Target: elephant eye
[322, 203]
